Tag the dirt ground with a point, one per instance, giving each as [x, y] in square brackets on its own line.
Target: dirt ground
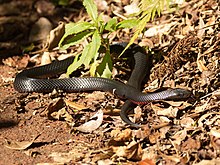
[38, 128]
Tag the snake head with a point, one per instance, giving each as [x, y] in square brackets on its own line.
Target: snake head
[181, 93]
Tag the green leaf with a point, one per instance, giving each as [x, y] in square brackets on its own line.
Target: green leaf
[63, 2]
[76, 64]
[93, 67]
[105, 67]
[75, 39]
[74, 28]
[107, 73]
[90, 52]
[131, 23]
[94, 47]
[79, 61]
[91, 9]
[140, 27]
[111, 25]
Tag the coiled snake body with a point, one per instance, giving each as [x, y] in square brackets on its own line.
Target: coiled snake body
[31, 80]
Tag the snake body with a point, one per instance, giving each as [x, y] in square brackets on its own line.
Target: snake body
[35, 80]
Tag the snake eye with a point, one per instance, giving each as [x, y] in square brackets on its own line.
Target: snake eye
[182, 93]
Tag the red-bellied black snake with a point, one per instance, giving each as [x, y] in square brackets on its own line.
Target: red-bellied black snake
[30, 81]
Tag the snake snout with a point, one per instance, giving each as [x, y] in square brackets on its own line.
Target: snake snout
[182, 93]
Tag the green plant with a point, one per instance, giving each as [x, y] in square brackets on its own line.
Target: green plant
[75, 33]
[60, 2]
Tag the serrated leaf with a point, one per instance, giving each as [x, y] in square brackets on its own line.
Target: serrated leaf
[76, 39]
[93, 68]
[111, 25]
[91, 9]
[105, 67]
[140, 27]
[73, 66]
[74, 28]
[101, 23]
[93, 50]
[90, 52]
[107, 73]
[131, 23]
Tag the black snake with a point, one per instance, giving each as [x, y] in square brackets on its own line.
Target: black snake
[35, 80]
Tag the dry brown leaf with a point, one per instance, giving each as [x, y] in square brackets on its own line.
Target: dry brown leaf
[75, 105]
[50, 164]
[201, 30]
[187, 122]
[204, 118]
[105, 162]
[124, 135]
[73, 155]
[55, 36]
[191, 144]
[215, 138]
[210, 22]
[159, 29]
[200, 64]
[132, 8]
[169, 112]
[146, 162]
[216, 93]
[46, 58]
[153, 137]
[132, 151]
[179, 137]
[175, 158]
[214, 132]
[96, 95]
[54, 106]
[201, 108]
[208, 162]
[149, 153]
[93, 124]
[62, 114]
[19, 145]
[137, 113]
[189, 26]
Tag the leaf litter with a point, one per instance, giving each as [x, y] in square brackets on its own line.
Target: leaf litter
[185, 47]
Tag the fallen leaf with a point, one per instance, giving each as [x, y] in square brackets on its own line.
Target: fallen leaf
[93, 124]
[124, 135]
[169, 112]
[204, 118]
[132, 8]
[62, 114]
[137, 113]
[75, 105]
[215, 138]
[179, 137]
[200, 64]
[96, 95]
[133, 151]
[191, 144]
[201, 30]
[45, 58]
[54, 106]
[146, 162]
[73, 155]
[160, 29]
[55, 36]
[153, 137]
[208, 162]
[20, 145]
[187, 122]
